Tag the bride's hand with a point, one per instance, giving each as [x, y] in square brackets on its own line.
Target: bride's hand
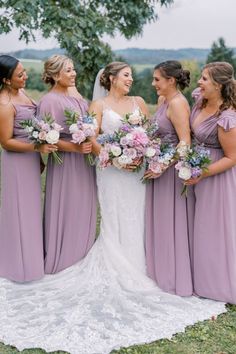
[150, 175]
[131, 167]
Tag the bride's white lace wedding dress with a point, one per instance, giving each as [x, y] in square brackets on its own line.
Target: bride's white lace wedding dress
[106, 301]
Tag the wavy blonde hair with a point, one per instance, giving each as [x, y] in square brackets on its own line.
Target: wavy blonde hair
[53, 67]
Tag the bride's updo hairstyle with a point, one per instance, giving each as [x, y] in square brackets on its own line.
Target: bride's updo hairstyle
[7, 66]
[222, 73]
[111, 69]
[173, 68]
[53, 67]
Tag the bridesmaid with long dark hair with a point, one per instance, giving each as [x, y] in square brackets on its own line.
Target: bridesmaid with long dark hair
[70, 200]
[21, 237]
[213, 122]
[168, 215]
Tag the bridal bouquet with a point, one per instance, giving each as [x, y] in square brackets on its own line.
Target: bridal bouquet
[81, 127]
[43, 131]
[193, 161]
[126, 145]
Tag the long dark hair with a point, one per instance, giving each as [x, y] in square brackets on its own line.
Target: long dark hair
[7, 67]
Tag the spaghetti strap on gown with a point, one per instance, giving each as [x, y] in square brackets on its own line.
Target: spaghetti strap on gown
[21, 235]
[106, 301]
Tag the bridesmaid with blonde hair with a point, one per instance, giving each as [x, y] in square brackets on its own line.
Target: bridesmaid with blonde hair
[70, 199]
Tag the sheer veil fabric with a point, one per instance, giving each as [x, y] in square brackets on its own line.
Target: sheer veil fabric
[106, 301]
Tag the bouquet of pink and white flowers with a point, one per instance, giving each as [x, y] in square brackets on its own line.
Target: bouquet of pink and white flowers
[81, 127]
[193, 161]
[43, 131]
[126, 145]
[159, 156]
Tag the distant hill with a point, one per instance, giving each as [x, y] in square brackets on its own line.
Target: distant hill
[131, 55]
[36, 53]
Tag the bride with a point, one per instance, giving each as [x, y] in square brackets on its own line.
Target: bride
[105, 301]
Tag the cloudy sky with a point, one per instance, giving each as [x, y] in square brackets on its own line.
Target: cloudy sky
[187, 23]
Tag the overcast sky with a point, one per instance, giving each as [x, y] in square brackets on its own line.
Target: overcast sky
[187, 23]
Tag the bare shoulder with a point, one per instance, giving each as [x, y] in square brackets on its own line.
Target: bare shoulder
[179, 102]
[6, 109]
[139, 100]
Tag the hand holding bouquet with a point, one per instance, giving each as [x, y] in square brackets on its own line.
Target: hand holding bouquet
[125, 146]
[43, 131]
[193, 161]
[81, 128]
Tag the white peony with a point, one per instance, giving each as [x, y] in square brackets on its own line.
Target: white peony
[185, 173]
[73, 128]
[52, 137]
[150, 152]
[116, 150]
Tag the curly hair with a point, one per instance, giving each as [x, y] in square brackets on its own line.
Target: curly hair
[173, 68]
[111, 69]
[222, 73]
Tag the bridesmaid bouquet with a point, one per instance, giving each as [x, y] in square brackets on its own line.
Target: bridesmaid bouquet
[81, 127]
[193, 161]
[159, 156]
[43, 131]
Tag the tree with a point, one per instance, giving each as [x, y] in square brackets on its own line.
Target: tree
[79, 26]
[220, 52]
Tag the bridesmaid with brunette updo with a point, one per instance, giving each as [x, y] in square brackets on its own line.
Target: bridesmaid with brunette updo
[169, 216]
[70, 198]
[213, 123]
[21, 236]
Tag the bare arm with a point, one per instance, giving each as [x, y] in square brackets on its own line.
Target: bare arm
[178, 114]
[97, 108]
[142, 105]
[7, 141]
[228, 143]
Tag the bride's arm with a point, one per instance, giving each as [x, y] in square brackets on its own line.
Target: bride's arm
[96, 107]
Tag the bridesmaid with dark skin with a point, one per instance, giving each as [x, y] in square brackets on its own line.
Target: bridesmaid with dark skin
[213, 123]
[21, 237]
[70, 199]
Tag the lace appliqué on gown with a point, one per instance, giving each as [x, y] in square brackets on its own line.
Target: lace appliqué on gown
[106, 301]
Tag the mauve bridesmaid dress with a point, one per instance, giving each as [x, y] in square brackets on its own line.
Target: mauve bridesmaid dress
[169, 223]
[21, 236]
[70, 199]
[214, 243]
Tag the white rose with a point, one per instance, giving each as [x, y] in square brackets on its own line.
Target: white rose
[184, 173]
[135, 118]
[116, 150]
[124, 160]
[52, 137]
[35, 135]
[150, 152]
[73, 128]
[116, 163]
